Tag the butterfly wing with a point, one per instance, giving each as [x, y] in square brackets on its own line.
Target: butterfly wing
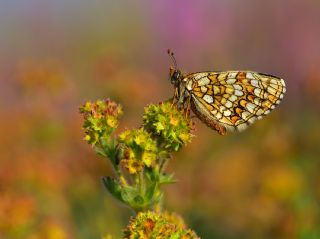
[233, 100]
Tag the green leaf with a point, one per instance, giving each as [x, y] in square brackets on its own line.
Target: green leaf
[151, 174]
[129, 194]
[150, 191]
[166, 179]
[100, 151]
[113, 187]
[138, 201]
[133, 198]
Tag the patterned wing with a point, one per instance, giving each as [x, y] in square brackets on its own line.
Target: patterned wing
[233, 100]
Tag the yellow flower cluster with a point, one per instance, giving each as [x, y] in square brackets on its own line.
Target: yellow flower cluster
[101, 118]
[151, 225]
[139, 150]
[168, 125]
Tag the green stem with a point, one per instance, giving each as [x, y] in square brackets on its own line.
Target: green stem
[111, 151]
[141, 183]
[163, 163]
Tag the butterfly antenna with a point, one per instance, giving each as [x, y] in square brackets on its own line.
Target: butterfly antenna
[171, 54]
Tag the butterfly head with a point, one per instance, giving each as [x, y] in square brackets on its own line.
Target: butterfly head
[175, 76]
[175, 73]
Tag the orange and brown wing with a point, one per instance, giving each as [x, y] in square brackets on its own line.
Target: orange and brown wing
[233, 100]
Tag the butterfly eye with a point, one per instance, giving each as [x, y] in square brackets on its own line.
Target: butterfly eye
[175, 77]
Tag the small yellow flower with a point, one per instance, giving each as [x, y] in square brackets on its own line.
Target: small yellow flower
[132, 165]
[87, 137]
[140, 139]
[159, 126]
[148, 158]
[174, 121]
[112, 121]
[184, 137]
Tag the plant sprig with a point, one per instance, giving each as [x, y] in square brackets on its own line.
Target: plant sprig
[138, 156]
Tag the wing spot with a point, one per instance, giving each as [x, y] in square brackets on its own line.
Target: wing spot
[251, 107]
[232, 75]
[266, 104]
[222, 108]
[243, 103]
[274, 81]
[218, 115]
[233, 98]
[227, 113]
[255, 83]
[238, 92]
[216, 90]
[228, 104]
[250, 76]
[259, 112]
[238, 111]
[234, 119]
[257, 101]
[203, 81]
[203, 89]
[214, 111]
[231, 81]
[271, 90]
[222, 76]
[208, 98]
[213, 77]
[245, 115]
[257, 92]
[200, 75]
[237, 87]
[229, 90]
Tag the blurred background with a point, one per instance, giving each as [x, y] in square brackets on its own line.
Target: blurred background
[55, 55]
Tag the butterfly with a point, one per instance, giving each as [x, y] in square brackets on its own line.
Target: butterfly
[226, 101]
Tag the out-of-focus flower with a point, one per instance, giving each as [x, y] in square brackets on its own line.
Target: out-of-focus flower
[139, 150]
[283, 182]
[155, 225]
[45, 75]
[21, 210]
[101, 119]
[168, 126]
[107, 237]
[49, 230]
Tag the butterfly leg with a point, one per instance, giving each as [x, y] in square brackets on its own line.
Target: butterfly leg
[187, 107]
[175, 97]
